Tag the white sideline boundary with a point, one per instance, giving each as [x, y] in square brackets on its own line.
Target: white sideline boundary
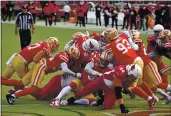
[156, 114]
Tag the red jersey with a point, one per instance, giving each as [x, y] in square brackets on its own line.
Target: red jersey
[142, 51]
[86, 78]
[122, 52]
[118, 71]
[151, 43]
[53, 64]
[30, 51]
[84, 55]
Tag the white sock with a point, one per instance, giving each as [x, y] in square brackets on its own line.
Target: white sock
[65, 91]
[168, 92]
[155, 97]
[82, 101]
[149, 98]
[162, 92]
[168, 88]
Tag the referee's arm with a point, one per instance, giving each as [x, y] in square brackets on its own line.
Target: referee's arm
[32, 24]
[16, 24]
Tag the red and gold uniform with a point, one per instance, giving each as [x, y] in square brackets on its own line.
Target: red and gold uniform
[150, 72]
[84, 55]
[36, 75]
[107, 83]
[122, 52]
[151, 48]
[86, 78]
[44, 67]
[19, 62]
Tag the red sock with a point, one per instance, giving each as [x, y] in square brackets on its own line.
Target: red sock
[146, 88]
[12, 82]
[138, 91]
[164, 79]
[161, 65]
[26, 91]
[162, 85]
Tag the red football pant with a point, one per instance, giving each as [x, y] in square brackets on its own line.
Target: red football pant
[161, 65]
[50, 90]
[96, 85]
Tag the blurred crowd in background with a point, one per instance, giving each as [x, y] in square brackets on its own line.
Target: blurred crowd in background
[138, 15]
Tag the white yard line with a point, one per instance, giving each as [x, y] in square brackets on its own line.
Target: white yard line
[107, 113]
[161, 114]
[18, 105]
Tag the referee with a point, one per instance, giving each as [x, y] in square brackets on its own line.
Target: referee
[24, 22]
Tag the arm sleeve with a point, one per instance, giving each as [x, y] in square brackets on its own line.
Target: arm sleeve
[89, 69]
[31, 19]
[133, 45]
[17, 19]
[65, 69]
[70, 43]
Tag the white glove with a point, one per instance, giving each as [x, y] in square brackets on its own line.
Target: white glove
[78, 75]
[128, 34]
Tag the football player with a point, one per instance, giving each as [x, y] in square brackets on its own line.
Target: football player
[111, 82]
[152, 51]
[124, 54]
[19, 61]
[36, 75]
[97, 68]
[85, 45]
[150, 72]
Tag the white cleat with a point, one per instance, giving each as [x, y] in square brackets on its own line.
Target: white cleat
[55, 103]
[167, 100]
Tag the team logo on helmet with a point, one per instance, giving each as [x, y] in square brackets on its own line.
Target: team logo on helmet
[165, 34]
[53, 42]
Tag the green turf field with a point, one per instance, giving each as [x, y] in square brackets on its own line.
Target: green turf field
[28, 106]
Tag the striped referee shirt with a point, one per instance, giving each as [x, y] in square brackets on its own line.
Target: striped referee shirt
[24, 20]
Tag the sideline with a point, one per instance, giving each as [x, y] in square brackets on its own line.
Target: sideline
[72, 26]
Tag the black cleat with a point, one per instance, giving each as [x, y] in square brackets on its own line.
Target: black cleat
[10, 99]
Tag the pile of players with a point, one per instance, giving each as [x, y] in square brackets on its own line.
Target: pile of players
[98, 68]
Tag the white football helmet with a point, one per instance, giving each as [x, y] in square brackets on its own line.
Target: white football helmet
[91, 45]
[157, 28]
[134, 70]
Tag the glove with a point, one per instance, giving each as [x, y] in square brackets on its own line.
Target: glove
[123, 109]
[78, 75]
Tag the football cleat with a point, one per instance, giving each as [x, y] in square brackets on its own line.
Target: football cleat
[152, 103]
[55, 103]
[10, 99]
[167, 100]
